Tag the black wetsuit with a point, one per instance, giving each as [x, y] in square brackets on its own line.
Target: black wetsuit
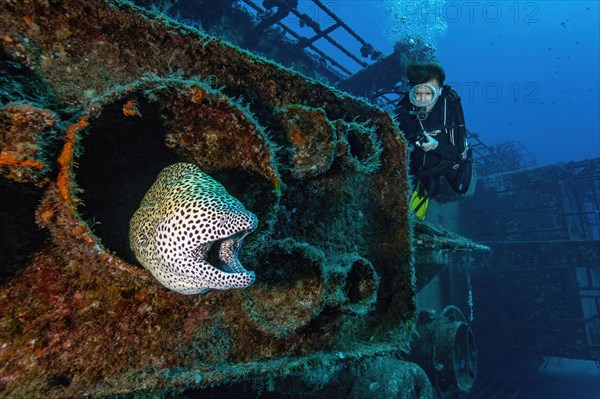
[445, 123]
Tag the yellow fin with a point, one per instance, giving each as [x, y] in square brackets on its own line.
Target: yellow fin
[419, 202]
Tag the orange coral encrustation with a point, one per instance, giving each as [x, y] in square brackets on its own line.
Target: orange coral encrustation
[197, 95]
[64, 182]
[10, 159]
[297, 137]
[130, 109]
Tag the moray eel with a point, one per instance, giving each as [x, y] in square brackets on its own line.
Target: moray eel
[185, 220]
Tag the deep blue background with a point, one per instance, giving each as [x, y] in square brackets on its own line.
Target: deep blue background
[527, 70]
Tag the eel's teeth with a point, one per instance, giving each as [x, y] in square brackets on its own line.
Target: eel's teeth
[201, 251]
[228, 254]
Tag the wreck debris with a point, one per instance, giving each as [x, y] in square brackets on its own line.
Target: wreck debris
[82, 318]
[388, 377]
[26, 133]
[444, 346]
[311, 140]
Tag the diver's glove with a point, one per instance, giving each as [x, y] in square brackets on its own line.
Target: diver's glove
[430, 144]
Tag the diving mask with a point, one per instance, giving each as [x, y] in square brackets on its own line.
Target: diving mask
[424, 95]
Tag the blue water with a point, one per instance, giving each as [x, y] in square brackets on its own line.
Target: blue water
[526, 70]
[537, 73]
[564, 378]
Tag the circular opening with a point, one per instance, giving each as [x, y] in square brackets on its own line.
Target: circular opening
[361, 286]
[364, 148]
[288, 292]
[359, 145]
[121, 158]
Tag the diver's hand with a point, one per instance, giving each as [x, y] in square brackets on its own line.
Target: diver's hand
[430, 144]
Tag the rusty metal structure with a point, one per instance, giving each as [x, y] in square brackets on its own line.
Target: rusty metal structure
[290, 7]
[537, 292]
[310, 44]
[500, 158]
[100, 96]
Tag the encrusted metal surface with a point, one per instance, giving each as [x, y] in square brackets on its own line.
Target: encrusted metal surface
[324, 172]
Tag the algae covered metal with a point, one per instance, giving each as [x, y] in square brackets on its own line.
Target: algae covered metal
[131, 93]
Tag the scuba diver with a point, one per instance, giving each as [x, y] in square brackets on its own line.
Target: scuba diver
[433, 123]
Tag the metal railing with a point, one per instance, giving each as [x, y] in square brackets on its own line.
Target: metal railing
[508, 156]
[269, 17]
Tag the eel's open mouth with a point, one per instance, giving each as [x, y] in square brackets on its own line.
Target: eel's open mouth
[223, 253]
